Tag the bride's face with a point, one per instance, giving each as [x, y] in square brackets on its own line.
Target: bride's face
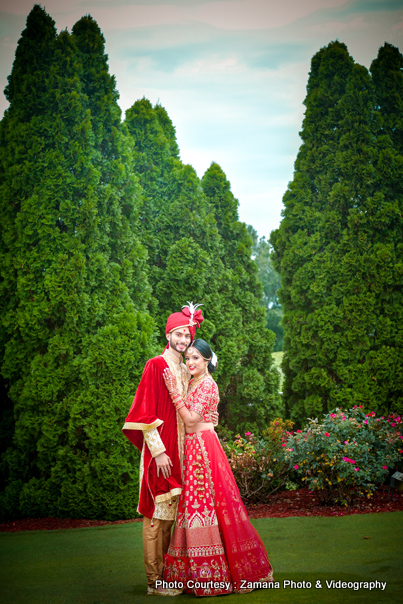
[195, 362]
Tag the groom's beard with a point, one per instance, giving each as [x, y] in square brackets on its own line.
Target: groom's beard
[182, 347]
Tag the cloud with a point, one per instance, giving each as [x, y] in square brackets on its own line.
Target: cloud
[333, 28]
[232, 74]
[258, 14]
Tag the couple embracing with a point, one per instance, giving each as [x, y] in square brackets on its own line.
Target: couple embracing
[185, 476]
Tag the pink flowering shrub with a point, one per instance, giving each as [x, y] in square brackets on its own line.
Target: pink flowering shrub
[259, 464]
[347, 453]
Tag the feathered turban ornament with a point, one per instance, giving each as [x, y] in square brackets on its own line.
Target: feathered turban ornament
[191, 316]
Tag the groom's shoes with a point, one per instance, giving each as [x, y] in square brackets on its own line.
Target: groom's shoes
[151, 591]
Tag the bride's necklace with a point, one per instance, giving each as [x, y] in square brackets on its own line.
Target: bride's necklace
[197, 380]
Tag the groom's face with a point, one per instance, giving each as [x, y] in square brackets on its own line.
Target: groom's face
[179, 339]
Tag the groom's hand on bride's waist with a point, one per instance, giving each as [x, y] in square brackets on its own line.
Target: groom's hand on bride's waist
[214, 418]
[163, 463]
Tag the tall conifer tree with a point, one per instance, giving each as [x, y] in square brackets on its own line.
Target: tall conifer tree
[200, 251]
[387, 77]
[249, 384]
[34, 56]
[334, 250]
[75, 341]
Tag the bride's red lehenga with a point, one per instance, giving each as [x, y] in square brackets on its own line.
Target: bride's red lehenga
[213, 540]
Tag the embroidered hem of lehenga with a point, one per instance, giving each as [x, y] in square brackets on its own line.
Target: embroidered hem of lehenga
[196, 556]
[198, 549]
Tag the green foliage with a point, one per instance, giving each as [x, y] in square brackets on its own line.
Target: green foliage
[200, 251]
[387, 78]
[76, 331]
[339, 248]
[346, 454]
[259, 465]
[249, 386]
[270, 279]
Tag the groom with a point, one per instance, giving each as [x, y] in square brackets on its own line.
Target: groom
[156, 429]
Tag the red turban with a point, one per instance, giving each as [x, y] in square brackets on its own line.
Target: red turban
[189, 317]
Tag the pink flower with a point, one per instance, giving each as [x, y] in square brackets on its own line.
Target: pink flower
[384, 467]
[392, 424]
[383, 417]
[283, 445]
[327, 434]
[400, 450]
[291, 449]
[366, 421]
[352, 461]
[401, 437]
[298, 430]
[377, 420]
[346, 459]
[356, 469]
[296, 467]
[248, 433]
[346, 442]
[358, 426]
[360, 407]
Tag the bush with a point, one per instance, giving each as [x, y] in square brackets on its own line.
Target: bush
[348, 453]
[259, 464]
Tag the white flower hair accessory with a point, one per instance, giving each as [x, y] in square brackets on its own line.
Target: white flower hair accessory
[214, 359]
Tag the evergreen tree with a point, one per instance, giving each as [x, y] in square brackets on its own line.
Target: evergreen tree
[337, 251]
[174, 209]
[200, 251]
[387, 77]
[118, 191]
[249, 386]
[75, 342]
[34, 57]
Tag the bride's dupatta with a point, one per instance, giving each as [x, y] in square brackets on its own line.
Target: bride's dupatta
[246, 555]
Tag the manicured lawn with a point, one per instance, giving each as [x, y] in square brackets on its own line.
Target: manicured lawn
[104, 565]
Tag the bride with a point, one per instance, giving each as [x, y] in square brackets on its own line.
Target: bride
[214, 549]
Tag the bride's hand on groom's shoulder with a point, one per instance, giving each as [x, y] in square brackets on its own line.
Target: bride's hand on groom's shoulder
[170, 380]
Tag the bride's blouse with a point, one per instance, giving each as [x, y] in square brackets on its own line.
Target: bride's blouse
[203, 398]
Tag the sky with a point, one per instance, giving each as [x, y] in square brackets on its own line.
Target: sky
[232, 74]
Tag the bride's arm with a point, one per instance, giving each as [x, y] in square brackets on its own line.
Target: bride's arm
[190, 418]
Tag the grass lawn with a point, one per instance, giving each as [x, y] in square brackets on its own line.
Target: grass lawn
[104, 565]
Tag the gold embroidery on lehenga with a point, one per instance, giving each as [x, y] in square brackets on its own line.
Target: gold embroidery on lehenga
[196, 550]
